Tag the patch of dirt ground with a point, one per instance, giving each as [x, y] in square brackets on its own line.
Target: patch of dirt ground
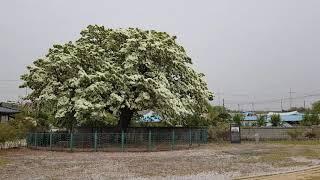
[211, 161]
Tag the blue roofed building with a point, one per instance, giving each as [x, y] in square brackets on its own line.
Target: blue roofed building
[150, 116]
[293, 117]
[249, 118]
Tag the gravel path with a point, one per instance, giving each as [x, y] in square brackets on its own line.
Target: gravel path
[212, 161]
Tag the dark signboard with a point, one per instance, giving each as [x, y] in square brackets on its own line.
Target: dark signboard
[235, 134]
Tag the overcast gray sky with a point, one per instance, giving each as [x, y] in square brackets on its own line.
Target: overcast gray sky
[250, 50]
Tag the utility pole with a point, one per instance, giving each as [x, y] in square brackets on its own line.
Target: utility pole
[252, 104]
[281, 106]
[290, 97]
[219, 97]
[238, 107]
[304, 104]
[223, 102]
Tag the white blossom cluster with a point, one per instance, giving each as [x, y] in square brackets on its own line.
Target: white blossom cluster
[109, 69]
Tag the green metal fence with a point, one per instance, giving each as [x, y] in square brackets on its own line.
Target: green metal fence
[151, 141]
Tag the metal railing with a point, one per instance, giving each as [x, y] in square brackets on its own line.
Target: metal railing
[151, 141]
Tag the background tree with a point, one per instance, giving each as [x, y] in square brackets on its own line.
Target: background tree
[306, 121]
[218, 114]
[314, 117]
[237, 119]
[316, 107]
[117, 71]
[311, 116]
[275, 120]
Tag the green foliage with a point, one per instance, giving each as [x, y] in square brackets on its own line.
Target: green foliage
[261, 121]
[217, 114]
[116, 71]
[33, 119]
[22, 127]
[275, 120]
[237, 119]
[15, 129]
[108, 120]
[316, 107]
[295, 133]
[220, 132]
[7, 133]
[195, 120]
[315, 118]
[310, 118]
[306, 121]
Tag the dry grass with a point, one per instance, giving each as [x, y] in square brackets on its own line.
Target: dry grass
[3, 162]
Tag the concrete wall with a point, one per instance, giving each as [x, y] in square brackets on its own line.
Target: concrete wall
[269, 133]
[13, 144]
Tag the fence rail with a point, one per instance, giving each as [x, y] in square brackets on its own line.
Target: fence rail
[151, 141]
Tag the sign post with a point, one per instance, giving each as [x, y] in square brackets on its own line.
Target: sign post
[235, 134]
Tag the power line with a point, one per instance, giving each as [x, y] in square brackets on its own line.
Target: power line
[273, 100]
[290, 97]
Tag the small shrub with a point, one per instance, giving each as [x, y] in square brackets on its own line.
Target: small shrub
[275, 120]
[314, 133]
[310, 135]
[237, 119]
[219, 132]
[15, 129]
[7, 133]
[261, 121]
[306, 121]
[295, 133]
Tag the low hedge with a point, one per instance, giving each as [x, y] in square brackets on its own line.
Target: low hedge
[14, 130]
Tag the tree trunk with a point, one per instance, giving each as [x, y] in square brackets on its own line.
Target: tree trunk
[126, 115]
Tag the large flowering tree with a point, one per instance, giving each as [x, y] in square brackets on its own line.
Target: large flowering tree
[118, 71]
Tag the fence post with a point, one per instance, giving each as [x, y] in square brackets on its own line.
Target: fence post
[122, 141]
[199, 137]
[27, 140]
[172, 140]
[50, 140]
[149, 141]
[95, 140]
[206, 137]
[190, 137]
[35, 140]
[71, 141]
